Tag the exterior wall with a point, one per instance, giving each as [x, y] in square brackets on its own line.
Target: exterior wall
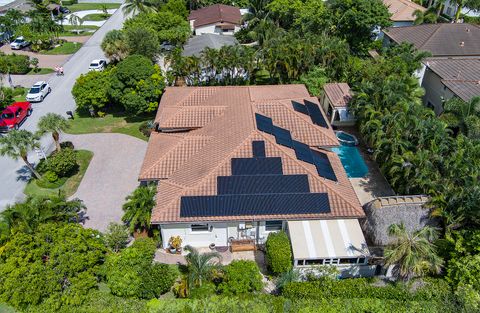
[435, 91]
[218, 233]
[211, 29]
[346, 271]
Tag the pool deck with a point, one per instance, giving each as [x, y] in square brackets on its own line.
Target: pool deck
[373, 185]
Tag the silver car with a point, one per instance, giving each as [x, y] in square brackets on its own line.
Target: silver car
[19, 43]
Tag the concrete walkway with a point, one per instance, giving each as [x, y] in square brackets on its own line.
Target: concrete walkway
[111, 175]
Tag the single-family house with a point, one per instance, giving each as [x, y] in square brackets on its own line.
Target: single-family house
[196, 44]
[452, 70]
[402, 11]
[217, 19]
[450, 8]
[233, 164]
[334, 101]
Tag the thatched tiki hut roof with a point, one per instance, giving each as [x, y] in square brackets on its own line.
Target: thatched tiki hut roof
[382, 212]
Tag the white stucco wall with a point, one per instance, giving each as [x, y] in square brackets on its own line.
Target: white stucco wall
[211, 29]
[435, 91]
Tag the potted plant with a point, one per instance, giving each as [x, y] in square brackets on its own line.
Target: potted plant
[175, 244]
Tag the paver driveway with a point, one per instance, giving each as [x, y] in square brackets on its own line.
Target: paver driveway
[110, 177]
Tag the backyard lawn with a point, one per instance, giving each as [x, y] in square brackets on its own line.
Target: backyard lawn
[40, 71]
[92, 6]
[70, 184]
[65, 48]
[96, 17]
[86, 30]
[110, 123]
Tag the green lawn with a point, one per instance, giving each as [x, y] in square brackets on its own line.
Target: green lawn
[66, 48]
[71, 184]
[92, 6]
[86, 30]
[20, 93]
[96, 17]
[41, 71]
[108, 124]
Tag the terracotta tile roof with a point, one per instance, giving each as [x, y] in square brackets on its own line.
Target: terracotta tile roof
[338, 93]
[188, 163]
[402, 10]
[444, 39]
[460, 75]
[217, 13]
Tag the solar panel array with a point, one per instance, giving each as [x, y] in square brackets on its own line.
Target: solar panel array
[302, 151]
[257, 187]
[311, 109]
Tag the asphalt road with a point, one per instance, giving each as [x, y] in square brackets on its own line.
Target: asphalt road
[13, 174]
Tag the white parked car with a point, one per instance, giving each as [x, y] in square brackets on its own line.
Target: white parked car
[19, 43]
[38, 92]
[97, 65]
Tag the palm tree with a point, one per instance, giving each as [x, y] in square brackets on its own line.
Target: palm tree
[16, 144]
[138, 208]
[137, 6]
[115, 46]
[75, 20]
[425, 17]
[464, 116]
[53, 123]
[412, 254]
[200, 265]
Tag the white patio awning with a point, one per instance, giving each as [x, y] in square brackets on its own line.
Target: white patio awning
[321, 239]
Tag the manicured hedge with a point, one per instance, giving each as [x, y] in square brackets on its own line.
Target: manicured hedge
[278, 252]
[62, 163]
[14, 63]
[363, 288]
[241, 277]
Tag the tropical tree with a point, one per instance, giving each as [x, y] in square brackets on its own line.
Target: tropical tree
[115, 45]
[425, 17]
[412, 254]
[463, 115]
[138, 208]
[137, 6]
[200, 265]
[75, 20]
[53, 123]
[17, 144]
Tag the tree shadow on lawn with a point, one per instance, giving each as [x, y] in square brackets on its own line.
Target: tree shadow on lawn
[24, 174]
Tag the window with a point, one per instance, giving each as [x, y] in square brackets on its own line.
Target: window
[362, 260]
[313, 262]
[273, 225]
[199, 227]
[348, 261]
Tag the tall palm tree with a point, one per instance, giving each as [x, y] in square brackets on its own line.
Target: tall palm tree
[16, 145]
[137, 6]
[53, 123]
[115, 46]
[75, 20]
[138, 208]
[200, 265]
[464, 116]
[412, 254]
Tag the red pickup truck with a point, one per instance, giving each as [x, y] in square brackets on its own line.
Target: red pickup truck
[14, 115]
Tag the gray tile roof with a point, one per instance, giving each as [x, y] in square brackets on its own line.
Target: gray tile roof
[197, 44]
[440, 39]
[460, 75]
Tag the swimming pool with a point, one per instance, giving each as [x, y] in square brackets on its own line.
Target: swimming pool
[352, 161]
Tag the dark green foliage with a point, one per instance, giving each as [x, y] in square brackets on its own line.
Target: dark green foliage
[142, 41]
[62, 163]
[6, 96]
[50, 176]
[131, 272]
[91, 91]
[116, 236]
[278, 252]
[14, 63]
[138, 208]
[56, 265]
[241, 277]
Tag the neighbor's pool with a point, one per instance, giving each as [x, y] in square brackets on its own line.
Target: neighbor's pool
[352, 161]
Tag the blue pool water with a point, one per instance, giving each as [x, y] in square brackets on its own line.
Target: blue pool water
[352, 161]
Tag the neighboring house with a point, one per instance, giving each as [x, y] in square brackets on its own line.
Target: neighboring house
[334, 101]
[453, 69]
[217, 19]
[402, 11]
[450, 9]
[385, 211]
[196, 44]
[445, 78]
[23, 6]
[234, 164]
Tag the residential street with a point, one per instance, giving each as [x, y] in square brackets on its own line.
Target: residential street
[13, 175]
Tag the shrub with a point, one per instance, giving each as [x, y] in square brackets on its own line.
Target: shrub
[146, 128]
[91, 90]
[6, 98]
[116, 237]
[62, 163]
[241, 276]
[67, 144]
[50, 176]
[14, 63]
[131, 272]
[278, 252]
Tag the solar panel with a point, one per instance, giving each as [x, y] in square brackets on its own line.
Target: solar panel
[302, 152]
[299, 107]
[257, 166]
[322, 163]
[264, 204]
[264, 123]
[267, 184]
[282, 136]
[258, 148]
[315, 114]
